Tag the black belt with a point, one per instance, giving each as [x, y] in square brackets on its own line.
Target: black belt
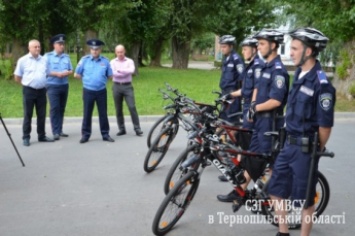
[124, 83]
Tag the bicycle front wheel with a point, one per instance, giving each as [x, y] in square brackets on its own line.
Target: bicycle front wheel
[158, 150]
[175, 203]
[160, 125]
[175, 174]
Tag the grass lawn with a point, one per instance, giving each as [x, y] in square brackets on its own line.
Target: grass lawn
[196, 84]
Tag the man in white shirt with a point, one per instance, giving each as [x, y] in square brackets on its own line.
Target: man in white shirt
[31, 73]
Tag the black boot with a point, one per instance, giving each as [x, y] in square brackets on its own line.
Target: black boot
[222, 178]
[230, 197]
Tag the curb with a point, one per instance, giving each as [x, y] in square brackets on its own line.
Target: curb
[147, 118]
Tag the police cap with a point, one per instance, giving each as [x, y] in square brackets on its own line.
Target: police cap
[95, 43]
[59, 38]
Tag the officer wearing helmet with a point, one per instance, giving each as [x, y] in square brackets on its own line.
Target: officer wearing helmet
[232, 69]
[250, 76]
[271, 90]
[310, 109]
[268, 102]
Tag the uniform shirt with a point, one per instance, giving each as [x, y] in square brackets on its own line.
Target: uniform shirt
[310, 103]
[273, 83]
[250, 76]
[57, 63]
[32, 71]
[232, 69]
[122, 70]
[94, 72]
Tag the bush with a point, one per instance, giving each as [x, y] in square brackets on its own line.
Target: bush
[342, 68]
[352, 90]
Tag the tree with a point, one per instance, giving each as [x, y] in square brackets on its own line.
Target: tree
[336, 19]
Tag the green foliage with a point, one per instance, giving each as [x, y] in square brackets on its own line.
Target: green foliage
[335, 18]
[343, 65]
[352, 90]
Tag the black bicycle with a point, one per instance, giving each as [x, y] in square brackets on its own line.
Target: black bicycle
[180, 104]
[213, 151]
[186, 114]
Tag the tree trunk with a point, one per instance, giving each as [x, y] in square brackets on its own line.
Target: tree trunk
[134, 54]
[141, 55]
[18, 50]
[181, 52]
[89, 34]
[347, 79]
[157, 50]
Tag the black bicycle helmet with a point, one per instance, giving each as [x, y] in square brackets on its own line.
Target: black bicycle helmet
[227, 39]
[250, 41]
[270, 35]
[311, 37]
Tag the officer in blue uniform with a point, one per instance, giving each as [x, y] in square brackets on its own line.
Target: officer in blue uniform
[59, 67]
[271, 91]
[232, 69]
[94, 70]
[310, 109]
[250, 77]
[268, 102]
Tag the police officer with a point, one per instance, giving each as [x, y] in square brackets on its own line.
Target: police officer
[250, 76]
[268, 101]
[232, 69]
[31, 73]
[94, 70]
[59, 67]
[310, 109]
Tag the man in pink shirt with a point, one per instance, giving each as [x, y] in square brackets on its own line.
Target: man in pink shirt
[123, 68]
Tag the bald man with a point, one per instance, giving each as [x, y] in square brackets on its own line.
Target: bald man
[123, 68]
[31, 73]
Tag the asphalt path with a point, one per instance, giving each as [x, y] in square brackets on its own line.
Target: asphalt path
[100, 188]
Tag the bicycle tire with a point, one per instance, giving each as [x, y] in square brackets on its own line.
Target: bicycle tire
[189, 180]
[170, 181]
[321, 201]
[155, 128]
[151, 163]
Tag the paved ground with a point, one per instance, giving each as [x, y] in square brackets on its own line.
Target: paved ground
[100, 188]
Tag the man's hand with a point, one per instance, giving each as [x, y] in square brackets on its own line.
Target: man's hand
[227, 97]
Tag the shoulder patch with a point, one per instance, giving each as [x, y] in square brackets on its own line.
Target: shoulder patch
[240, 68]
[235, 56]
[278, 65]
[256, 61]
[322, 77]
[326, 101]
[280, 81]
[257, 73]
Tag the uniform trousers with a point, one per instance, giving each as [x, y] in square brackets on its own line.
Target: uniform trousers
[91, 97]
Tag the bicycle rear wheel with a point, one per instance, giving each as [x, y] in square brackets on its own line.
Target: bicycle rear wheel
[158, 150]
[321, 200]
[175, 203]
[175, 174]
[161, 124]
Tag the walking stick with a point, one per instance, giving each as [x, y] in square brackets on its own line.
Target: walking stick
[13, 144]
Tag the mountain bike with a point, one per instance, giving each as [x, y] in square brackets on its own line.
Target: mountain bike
[180, 196]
